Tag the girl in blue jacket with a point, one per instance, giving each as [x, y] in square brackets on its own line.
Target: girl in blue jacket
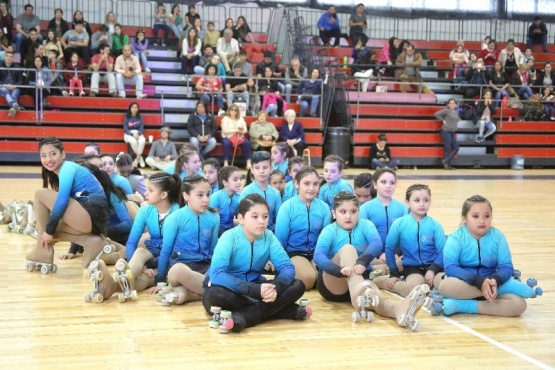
[333, 170]
[421, 240]
[479, 267]
[343, 254]
[226, 200]
[300, 221]
[235, 281]
[294, 165]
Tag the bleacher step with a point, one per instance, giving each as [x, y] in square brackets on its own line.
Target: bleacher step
[170, 77]
[165, 65]
[178, 103]
[176, 118]
[162, 53]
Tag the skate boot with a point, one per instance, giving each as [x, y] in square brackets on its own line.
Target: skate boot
[364, 301]
[104, 287]
[31, 231]
[163, 289]
[18, 212]
[41, 259]
[375, 273]
[6, 216]
[167, 296]
[221, 320]
[124, 278]
[416, 299]
[304, 304]
[532, 282]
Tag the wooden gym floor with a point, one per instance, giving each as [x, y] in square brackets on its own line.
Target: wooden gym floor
[45, 324]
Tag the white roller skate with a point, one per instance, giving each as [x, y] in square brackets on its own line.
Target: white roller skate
[18, 212]
[418, 299]
[304, 303]
[221, 320]
[167, 296]
[123, 276]
[95, 275]
[364, 301]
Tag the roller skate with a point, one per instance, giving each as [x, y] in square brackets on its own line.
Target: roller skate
[18, 213]
[417, 299]
[31, 231]
[304, 304]
[221, 320]
[375, 273]
[94, 274]
[41, 259]
[532, 282]
[436, 308]
[167, 296]
[123, 276]
[364, 301]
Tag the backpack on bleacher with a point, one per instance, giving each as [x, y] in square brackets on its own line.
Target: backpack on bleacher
[531, 112]
[467, 112]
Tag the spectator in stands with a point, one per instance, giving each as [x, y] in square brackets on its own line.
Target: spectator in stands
[268, 61]
[511, 57]
[546, 77]
[74, 76]
[198, 27]
[110, 21]
[128, 72]
[220, 69]
[459, 59]
[310, 91]
[498, 83]
[485, 42]
[476, 76]
[39, 78]
[10, 78]
[490, 55]
[450, 118]
[119, 40]
[6, 20]
[24, 22]
[175, 20]
[528, 55]
[103, 67]
[133, 128]
[247, 67]
[358, 25]
[460, 42]
[27, 46]
[388, 56]
[228, 24]
[363, 58]
[190, 17]
[207, 54]
[78, 16]
[228, 49]
[76, 41]
[410, 61]
[537, 34]
[161, 23]
[272, 103]
[522, 81]
[162, 152]
[292, 132]
[58, 23]
[254, 100]
[380, 155]
[56, 66]
[202, 130]
[5, 44]
[267, 80]
[51, 42]
[37, 50]
[293, 76]
[211, 36]
[139, 46]
[236, 85]
[190, 52]
[402, 46]
[210, 87]
[234, 129]
[241, 31]
[328, 26]
[483, 114]
[102, 36]
[263, 133]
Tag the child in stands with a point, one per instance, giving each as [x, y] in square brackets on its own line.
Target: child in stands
[133, 127]
[295, 164]
[139, 46]
[119, 40]
[333, 170]
[161, 23]
[74, 76]
[226, 200]
[380, 156]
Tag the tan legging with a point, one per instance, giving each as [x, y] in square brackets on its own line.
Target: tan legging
[403, 288]
[504, 305]
[186, 283]
[305, 271]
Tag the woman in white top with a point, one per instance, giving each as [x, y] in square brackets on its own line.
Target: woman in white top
[190, 52]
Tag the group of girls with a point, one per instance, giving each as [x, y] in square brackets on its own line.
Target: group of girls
[217, 246]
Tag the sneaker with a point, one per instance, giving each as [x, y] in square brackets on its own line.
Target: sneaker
[82, 93]
[147, 70]
[142, 162]
[71, 93]
[114, 94]
[65, 93]
[478, 139]
[121, 96]
[141, 96]
[12, 112]
[92, 94]
[16, 107]
[135, 162]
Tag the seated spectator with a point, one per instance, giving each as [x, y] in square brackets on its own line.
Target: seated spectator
[234, 129]
[328, 26]
[52, 43]
[263, 133]
[267, 80]
[24, 22]
[199, 29]
[211, 36]
[190, 17]
[476, 76]
[498, 83]
[161, 23]
[202, 130]
[459, 59]
[362, 59]
[537, 34]
[528, 55]
[310, 91]
[485, 42]
[460, 42]
[10, 77]
[358, 25]
[28, 45]
[74, 76]
[268, 61]
[272, 103]
[490, 55]
[228, 24]
[511, 57]
[293, 76]
[139, 46]
[546, 77]
[228, 49]
[292, 133]
[410, 61]
[103, 71]
[207, 54]
[58, 23]
[521, 82]
[210, 87]
[76, 41]
[548, 101]
[110, 21]
[402, 47]
[388, 56]
[78, 16]
[254, 100]
[241, 31]
[37, 50]
[483, 114]
[5, 44]
[236, 85]
[162, 152]
[39, 79]
[6, 20]
[246, 66]
[119, 40]
[175, 20]
[102, 36]
[128, 72]
[190, 52]
[133, 128]
[220, 69]
[380, 155]
[56, 66]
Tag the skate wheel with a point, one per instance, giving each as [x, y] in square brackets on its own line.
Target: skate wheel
[360, 301]
[161, 285]
[170, 297]
[166, 289]
[438, 298]
[115, 277]
[215, 309]
[214, 324]
[428, 302]
[531, 282]
[436, 309]
[53, 268]
[29, 266]
[402, 320]
[375, 301]
[517, 274]
[228, 323]
[129, 275]
[355, 317]
[165, 303]
[223, 330]
[109, 248]
[304, 302]
[415, 325]
[120, 265]
[98, 298]
[226, 314]
[369, 316]
[134, 295]
[98, 275]
[87, 297]
[425, 288]
[308, 312]
[433, 293]
[44, 269]
[539, 291]
[86, 273]
[121, 297]
[93, 265]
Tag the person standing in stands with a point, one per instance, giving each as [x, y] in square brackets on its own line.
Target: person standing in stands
[410, 61]
[329, 27]
[537, 34]
[450, 118]
[357, 25]
[24, 22]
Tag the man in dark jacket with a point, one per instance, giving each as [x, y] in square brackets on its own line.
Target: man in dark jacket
[202, 130]
[10, 77]
[537, 34]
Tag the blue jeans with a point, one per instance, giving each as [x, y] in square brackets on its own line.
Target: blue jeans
[208, 146]
[499, 96]
[163, 27]
[525, 92]
[288, 91]
[11, 95]
[176, 30]
[142, 59]
[392, 163]
[314, 100]
[271, 109]
[537, 40]
[450, 145]
[19, 39]
[231, 95]
[228, 148]
[489, 126]
[207, 99]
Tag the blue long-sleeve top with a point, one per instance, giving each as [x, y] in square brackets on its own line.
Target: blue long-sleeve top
[238, 264]
[383, 216]
[328, 191]
[307, 86]
[325, 22]
[296, 132]
[133, 123]
[364, 237]
[473, 260]
[74, 181]
[282, 167]
[226, 206]
[188, 237]
[298, 225]
[123, 183]
[214, 189]
[137, 46]
[272, 196]
[421, 243]
[119, 221]
[148, 217]
[290, 191]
